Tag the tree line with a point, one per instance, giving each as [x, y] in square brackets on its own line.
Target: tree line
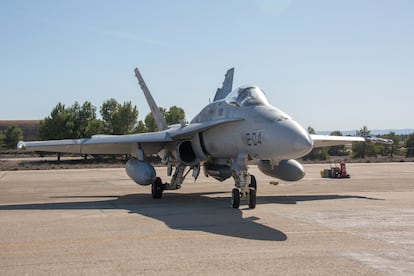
[10, 137]
[80, 121]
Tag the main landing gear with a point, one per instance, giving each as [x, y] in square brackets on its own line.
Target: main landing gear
[157, 188]
[243, 189]
[177, 179]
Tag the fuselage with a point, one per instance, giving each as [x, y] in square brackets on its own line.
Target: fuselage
[264, 133]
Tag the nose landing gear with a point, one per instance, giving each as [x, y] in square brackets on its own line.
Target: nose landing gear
[235, 198]
[244, 190]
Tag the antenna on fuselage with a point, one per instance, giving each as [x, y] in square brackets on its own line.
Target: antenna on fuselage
[156, 113]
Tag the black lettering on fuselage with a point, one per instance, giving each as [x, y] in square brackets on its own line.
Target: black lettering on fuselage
[254, 138]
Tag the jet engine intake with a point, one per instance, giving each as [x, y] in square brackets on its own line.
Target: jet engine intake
[287, 170]
[186, 153]
[143, 173]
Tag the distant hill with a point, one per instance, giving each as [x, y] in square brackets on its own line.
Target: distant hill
[404, 131]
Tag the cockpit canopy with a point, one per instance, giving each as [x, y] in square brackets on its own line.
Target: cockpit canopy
[246, 96]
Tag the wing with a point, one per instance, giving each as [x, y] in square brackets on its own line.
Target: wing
[102, 144]
[151, 142]
[328, 140]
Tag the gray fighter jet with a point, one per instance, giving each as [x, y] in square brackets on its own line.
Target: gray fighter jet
[239, 127]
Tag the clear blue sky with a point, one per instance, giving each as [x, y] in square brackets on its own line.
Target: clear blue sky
[328, 64]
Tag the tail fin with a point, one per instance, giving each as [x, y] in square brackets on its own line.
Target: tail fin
[158, 117]
[226, 87]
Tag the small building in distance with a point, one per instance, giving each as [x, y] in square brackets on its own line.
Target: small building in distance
[30, 128]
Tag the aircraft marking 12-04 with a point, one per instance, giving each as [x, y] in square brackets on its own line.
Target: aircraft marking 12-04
[238, 127]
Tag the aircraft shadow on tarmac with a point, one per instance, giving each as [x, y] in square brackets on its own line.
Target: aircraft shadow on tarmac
[195, 212]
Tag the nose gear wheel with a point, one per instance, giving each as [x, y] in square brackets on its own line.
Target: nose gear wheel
[235, 198]
[245, 186]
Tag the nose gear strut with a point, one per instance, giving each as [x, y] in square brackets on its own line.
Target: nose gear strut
[245, 187]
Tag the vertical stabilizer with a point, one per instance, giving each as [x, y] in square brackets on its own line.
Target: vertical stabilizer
[226, 87]
[158, 117]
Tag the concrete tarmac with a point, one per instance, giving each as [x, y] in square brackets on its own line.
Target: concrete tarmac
[99, 222]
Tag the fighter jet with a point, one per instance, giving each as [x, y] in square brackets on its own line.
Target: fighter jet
[238, 128]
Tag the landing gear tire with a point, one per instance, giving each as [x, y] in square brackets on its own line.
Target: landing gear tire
[253, 183]
[252, 198]
[235, 198]
[157, 188]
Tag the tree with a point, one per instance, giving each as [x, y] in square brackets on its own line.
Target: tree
[119, 119]
[128, 116]
[410, 145]
[93, 127]
[109, 110]
[141, 128]
[69, 123]
[174, 115]
[364, 131]
[82, 116]
[150, 124]
[13, 135]
[79, 121]
[362, 149]
[2, 138]
[386, 150]
[59, 125]
[311, 130]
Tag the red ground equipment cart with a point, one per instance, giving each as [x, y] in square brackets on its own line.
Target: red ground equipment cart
[335, 171]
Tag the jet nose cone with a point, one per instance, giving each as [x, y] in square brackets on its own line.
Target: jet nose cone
[302, 144]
